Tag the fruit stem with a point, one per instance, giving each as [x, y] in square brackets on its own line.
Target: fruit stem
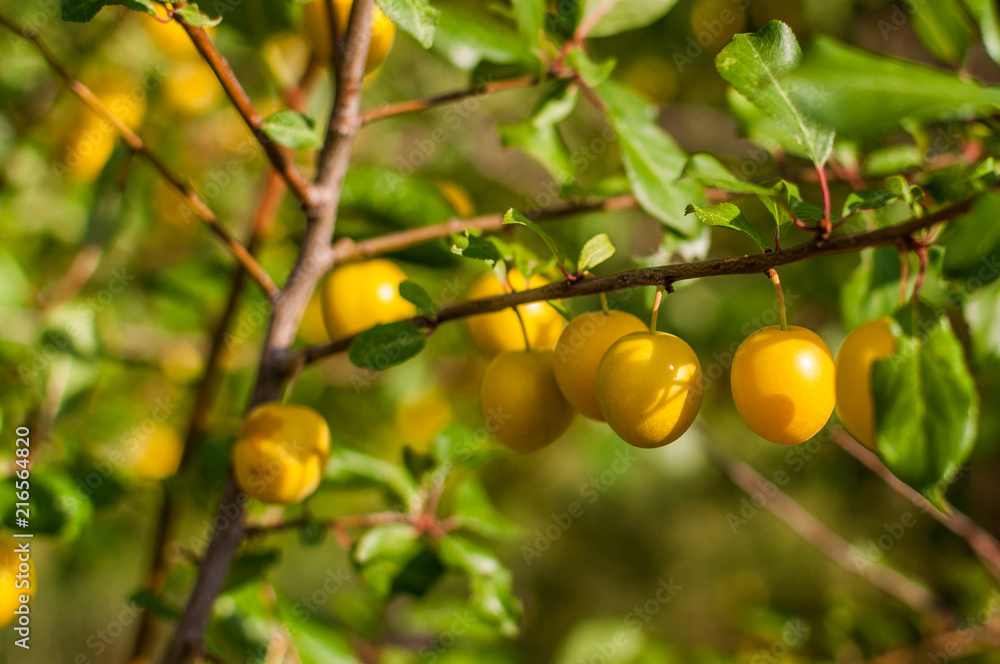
[656, 308]
[604, 303]
[524, 330]
[772, 274]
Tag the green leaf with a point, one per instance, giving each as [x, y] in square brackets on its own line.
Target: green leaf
[626, 14]
[155, 604]
[393, 200]
[972, 243]
[249, 566]
[758, 65]
[892, 159]
[592, 73]
[467, 37]
[866, 94]
[193, 16]
[418, 575]
[415, 17]
[729, 216]
[479, 248]
[489, 582]
[386, 345]
[709, 172]
[539, 136]
[383, 552]
[292, 129]
[81, 11]
[872, 290]
[780, 202]
[515, 217]
[315, 643]
[926, 409]
[56, 505]
[460, 446]
[415, 293]
[349, 468]
[530, 16]
[653, 161]
[473, 512]
[867, 199]
[988, 17]
[594, 252]
[943, 28]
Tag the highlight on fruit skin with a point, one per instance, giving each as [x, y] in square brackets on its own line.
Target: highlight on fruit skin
[500, 331]
[316, 23]
[783, 383]
[17, 578]
[281, 453]
[521, 402]
[857, 355]
[649, 388]
[579, 350]
[357, 296]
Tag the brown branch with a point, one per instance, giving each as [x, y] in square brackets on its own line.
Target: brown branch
[138, 145]
[654, 276]
[295, 180]
[983, 543]
[287, 313]
[804, 524]
[347, 249]
[417, 105]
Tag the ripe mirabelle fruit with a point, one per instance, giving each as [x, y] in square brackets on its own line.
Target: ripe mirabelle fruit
[783, 383]
[521, 401]
[855, 403]
[579, 350]
[500, 331]
[649, 388]
[419, 420]
[191, 88]
[93, 141]
[359, 295]
[11, 587]
[281, 452]
[317, 26]
[156, 455]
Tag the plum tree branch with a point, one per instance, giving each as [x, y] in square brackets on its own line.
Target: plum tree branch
[139, 146]
[417, 105]
[295, 180]
[983, 544]
[347, 249]
[287, 312]
[654, 276]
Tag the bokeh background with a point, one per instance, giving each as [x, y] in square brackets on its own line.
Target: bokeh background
[108, 294]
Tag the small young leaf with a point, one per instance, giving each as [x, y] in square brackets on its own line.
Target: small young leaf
[592, 73]
[596, 250]
[81, 11]
[757, 65]
[193, 16]
[626, 16]
[926, 409]
[479, 248]
[386, 345]
[530, 16]
[707, 171]
[515, 217]
[489, 581]
[415, 293]
[867, 199]
[350, 468]
[415, 17]
[539, 137]
[383, 553]
[729, 216]
[292, 129]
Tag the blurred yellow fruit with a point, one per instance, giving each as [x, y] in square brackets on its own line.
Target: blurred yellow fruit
[17, 577]
[181, 361]
[360, 295]
[281, 453]
[191, 88]
[459, 199]
[521, 402]
[287, 55]
[714, 22]
[170, 38]
[500, 331]
[316, 22]
[649, 388]
[654, 77]
[855, 403]
[92, 142]
[420, 420]
[579, 351]
[312, 329]
[156, 455]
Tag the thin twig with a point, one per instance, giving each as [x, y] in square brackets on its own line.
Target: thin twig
[752, 264]
[983, 543]
[295, 180]
[138, 145]
[417, 105]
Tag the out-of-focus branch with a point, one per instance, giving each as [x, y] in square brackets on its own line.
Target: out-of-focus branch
[84, 93]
